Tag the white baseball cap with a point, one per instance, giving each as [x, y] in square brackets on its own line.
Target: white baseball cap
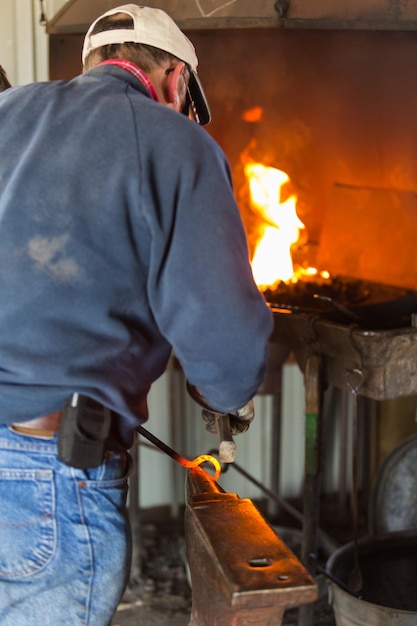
[153, 27]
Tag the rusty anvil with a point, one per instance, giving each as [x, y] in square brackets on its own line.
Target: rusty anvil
[242, 574]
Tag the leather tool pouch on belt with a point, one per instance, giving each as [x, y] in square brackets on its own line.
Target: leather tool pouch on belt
[85, 426]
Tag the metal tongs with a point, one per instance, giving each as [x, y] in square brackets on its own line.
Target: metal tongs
[337, 306]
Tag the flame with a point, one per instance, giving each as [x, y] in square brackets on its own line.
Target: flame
[272, 261]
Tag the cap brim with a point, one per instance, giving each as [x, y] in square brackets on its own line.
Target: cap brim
[199, 98]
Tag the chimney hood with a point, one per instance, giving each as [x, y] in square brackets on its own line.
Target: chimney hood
[76, 15]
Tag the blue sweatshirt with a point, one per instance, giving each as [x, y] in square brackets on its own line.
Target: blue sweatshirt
[120, 240]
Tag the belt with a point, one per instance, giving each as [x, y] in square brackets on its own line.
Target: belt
[45, 426]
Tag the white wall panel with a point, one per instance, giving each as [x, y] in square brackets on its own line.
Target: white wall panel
[293, 432]
[23, 42]
[156, 470]
[8, 39]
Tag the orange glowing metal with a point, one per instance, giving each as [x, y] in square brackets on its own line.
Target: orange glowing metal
[281, 227]
[199, 460]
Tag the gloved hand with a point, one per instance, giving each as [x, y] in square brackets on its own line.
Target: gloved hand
[239, 420]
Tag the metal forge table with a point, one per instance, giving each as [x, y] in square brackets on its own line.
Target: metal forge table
[377, 364]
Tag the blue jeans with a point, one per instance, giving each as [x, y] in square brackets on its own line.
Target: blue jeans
[65, 539]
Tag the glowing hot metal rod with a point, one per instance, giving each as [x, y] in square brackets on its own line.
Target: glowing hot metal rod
[203, 458]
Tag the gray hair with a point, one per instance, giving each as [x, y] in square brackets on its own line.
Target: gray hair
[144, 56]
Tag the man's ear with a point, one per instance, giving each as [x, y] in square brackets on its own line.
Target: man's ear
[174, 86]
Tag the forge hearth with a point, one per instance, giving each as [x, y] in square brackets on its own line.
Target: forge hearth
[368, 305]
[374, 356]
[385, 360]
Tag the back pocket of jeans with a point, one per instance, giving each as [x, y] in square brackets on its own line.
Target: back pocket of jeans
[27, 522]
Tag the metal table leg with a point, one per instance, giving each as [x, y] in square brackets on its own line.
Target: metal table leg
[311, 474]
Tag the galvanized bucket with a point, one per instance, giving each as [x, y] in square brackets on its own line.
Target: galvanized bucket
[389, 569]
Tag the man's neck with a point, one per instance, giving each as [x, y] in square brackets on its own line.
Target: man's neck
[136, 71]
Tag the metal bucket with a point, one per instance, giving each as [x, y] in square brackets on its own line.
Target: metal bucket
[389, 569]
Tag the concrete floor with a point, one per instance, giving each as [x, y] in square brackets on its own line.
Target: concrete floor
[141, 615]
[138, 614]
[171, 610]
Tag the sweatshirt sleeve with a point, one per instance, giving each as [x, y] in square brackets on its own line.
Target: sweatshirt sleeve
[201, 287]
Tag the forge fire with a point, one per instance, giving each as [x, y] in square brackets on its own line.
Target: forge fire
[278, 227]
[299, 287]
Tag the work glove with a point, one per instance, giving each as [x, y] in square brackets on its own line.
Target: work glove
[239, 420]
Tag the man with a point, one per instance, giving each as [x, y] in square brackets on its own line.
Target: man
[120, 240]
